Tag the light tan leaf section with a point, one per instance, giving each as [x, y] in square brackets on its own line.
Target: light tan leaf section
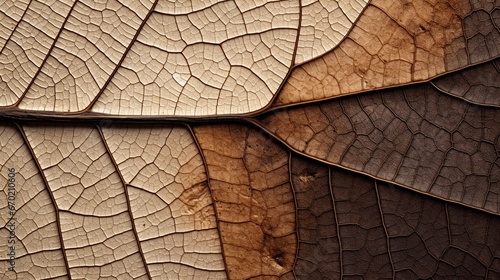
[169, 200]
[11, 12]
[398, 42]
[96, 227]
[138, 208]
[186, 58]
[250, 184]
[89, 47]
[225, 58]
[324, 24]
[27, 47]
[26, 212]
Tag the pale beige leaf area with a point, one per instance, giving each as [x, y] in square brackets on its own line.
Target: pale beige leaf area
[169, 199]
[187, 58]
[36, 218]
[138, 207]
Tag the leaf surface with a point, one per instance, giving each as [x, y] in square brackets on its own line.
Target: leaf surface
[478, 84]
[216, 139]
[413, 136]
[161, 57]
[395, 43]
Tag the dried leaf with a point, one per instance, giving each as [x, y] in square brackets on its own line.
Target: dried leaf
[160, 57]
[399, 42]
[139, 139]
[478, 84]
[414, 136]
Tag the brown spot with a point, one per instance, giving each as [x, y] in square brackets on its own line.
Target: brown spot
[279, 257]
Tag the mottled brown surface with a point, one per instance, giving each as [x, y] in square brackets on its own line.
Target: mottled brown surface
[398, 42]
[250, 184]
[415, 136]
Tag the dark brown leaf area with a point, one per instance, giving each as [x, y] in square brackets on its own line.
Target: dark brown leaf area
[479, 84]
[432, 238]
[362, 233]
[482, 31]
[319, 248]
[374, 230]
[414, 136]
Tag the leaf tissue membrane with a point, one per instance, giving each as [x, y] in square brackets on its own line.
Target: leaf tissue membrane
[163, 139]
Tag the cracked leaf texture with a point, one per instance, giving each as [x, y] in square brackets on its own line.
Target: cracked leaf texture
[262, 139]
[186, 58]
